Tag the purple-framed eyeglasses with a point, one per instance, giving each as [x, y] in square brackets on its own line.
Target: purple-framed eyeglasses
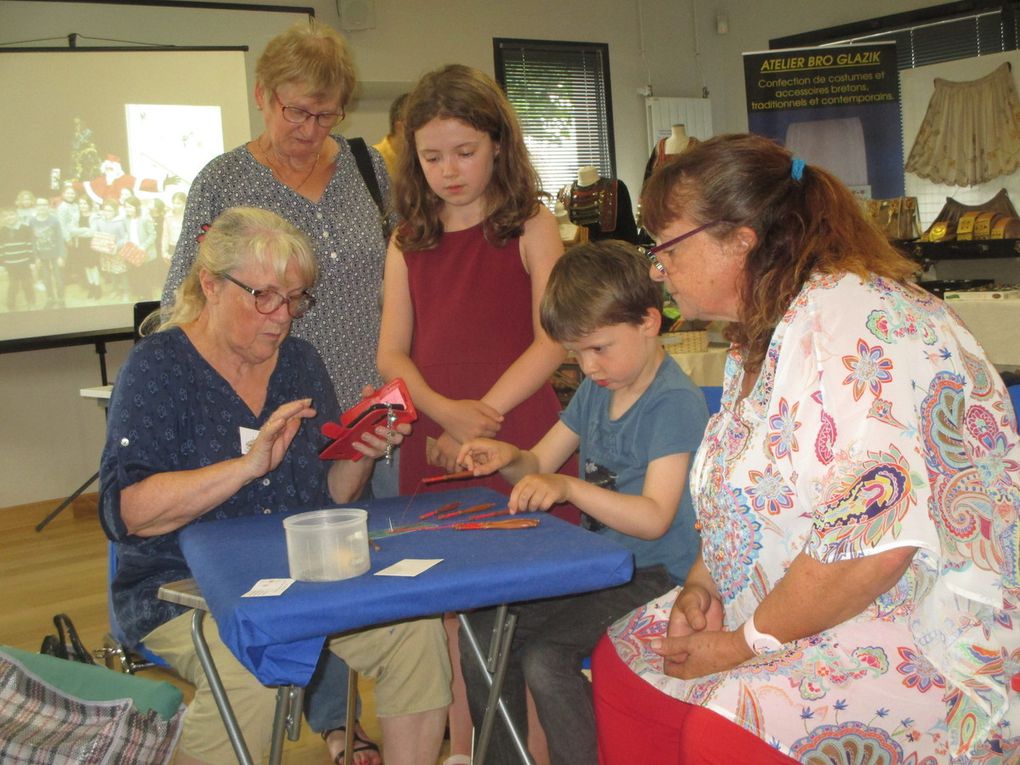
[267, 301]
[652, 252]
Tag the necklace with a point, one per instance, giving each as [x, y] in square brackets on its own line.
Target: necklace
[275, 170]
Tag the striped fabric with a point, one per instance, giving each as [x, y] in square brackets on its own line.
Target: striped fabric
[42, 725]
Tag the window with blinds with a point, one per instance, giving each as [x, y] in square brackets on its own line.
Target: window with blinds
[561, 93]
[927, 36]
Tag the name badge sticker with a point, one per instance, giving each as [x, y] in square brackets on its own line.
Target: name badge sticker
[247, 437]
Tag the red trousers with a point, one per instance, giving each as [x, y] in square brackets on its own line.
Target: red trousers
[639, 725]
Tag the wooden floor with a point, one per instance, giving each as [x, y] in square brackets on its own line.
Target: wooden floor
[62, 569]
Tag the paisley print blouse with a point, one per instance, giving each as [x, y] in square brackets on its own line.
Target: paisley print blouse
[876, 422]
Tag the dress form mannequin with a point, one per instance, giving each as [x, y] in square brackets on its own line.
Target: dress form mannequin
[678, 140]
[600, 206]
[587, 176]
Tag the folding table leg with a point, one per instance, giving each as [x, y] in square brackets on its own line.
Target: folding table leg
[352, 714]
[494, 676]
[287, 719]
[218, 692]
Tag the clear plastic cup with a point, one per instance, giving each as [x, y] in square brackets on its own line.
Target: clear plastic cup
[327, 545]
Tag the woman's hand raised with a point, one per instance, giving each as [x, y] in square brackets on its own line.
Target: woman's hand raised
[274, 438]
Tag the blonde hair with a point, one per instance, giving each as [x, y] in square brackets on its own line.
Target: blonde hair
[239, 236]
[312, 55]
[806, 225]
[512, 197]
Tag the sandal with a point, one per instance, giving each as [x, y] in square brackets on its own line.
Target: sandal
[361, 744]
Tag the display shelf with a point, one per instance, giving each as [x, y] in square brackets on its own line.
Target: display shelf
[981, 248]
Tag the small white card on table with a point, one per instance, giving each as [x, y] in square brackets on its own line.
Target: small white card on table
[409, 567]
[268, 587]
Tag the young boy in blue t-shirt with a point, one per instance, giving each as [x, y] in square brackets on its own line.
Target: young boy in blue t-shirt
[636, 419]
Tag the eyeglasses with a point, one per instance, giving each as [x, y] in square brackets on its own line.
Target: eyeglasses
[267, 301]
[298, 116]
[652, 252]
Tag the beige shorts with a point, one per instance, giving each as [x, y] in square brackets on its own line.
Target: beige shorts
[408, 661]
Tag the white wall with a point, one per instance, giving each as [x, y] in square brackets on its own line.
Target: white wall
[51, 439]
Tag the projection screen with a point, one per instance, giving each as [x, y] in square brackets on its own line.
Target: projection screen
[99, 147]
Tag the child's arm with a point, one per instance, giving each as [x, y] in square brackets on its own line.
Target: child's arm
[646, 516]
[540, 249]
[485, 456]
[465, 418]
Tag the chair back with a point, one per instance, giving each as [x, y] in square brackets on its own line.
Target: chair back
[117, 642]
[713, 397]
[142, 311]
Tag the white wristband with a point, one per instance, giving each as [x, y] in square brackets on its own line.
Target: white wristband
[760, 642]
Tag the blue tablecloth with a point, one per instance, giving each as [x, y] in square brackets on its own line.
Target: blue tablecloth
[280, 638]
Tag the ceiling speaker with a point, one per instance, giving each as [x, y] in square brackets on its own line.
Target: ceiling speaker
[356, 14]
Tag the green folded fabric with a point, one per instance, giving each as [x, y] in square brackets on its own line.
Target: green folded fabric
[95, 683]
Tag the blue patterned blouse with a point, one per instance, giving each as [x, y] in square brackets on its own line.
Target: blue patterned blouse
[172, 411]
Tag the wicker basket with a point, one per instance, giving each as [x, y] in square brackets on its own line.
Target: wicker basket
[694, 341]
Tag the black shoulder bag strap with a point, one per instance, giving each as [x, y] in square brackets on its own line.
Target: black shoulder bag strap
[367, 170]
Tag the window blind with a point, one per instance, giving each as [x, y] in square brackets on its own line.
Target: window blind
[561, 93]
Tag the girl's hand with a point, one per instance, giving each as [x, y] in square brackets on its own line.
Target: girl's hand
[443, 451]
[485, 456]
[466, 419]
[267, 450]
[538, 491]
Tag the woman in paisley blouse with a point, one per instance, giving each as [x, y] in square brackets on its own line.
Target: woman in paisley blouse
[858, 496]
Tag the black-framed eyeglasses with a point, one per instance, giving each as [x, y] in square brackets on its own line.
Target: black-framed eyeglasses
[267, 301]
[652, 252]
[298, 116]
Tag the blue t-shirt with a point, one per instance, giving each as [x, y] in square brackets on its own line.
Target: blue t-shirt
[668, 418]
[171, 410]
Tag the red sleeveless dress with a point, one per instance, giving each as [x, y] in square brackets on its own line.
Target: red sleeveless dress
[472, 319]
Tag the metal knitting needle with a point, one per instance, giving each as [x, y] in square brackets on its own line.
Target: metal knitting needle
[391, 420]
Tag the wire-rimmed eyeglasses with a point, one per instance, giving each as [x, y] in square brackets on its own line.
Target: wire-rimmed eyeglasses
[267, 301]
[652, 252]
[298, 116]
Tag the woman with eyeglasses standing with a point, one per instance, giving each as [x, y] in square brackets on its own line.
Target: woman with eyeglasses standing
[218, 415]
[308, 176]
[298, 169]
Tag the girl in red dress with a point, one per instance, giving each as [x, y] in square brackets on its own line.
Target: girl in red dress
[464, 277]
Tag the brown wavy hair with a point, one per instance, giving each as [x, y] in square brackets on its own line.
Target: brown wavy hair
[807, 226]
[512, 197]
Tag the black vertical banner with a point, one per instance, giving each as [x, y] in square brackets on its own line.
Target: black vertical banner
[837, 107]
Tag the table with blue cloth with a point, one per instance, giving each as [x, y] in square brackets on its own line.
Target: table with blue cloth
[280, 638]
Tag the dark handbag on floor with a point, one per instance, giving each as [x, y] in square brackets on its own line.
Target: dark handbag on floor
[66, 644]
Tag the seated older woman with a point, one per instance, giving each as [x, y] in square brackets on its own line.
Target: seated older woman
[218, 415]
[858, 494]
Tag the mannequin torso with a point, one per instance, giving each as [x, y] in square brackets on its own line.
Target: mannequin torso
[587, 176]
[677, 141]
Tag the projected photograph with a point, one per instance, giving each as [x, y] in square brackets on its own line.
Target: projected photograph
[97, 170]
[98, 229]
